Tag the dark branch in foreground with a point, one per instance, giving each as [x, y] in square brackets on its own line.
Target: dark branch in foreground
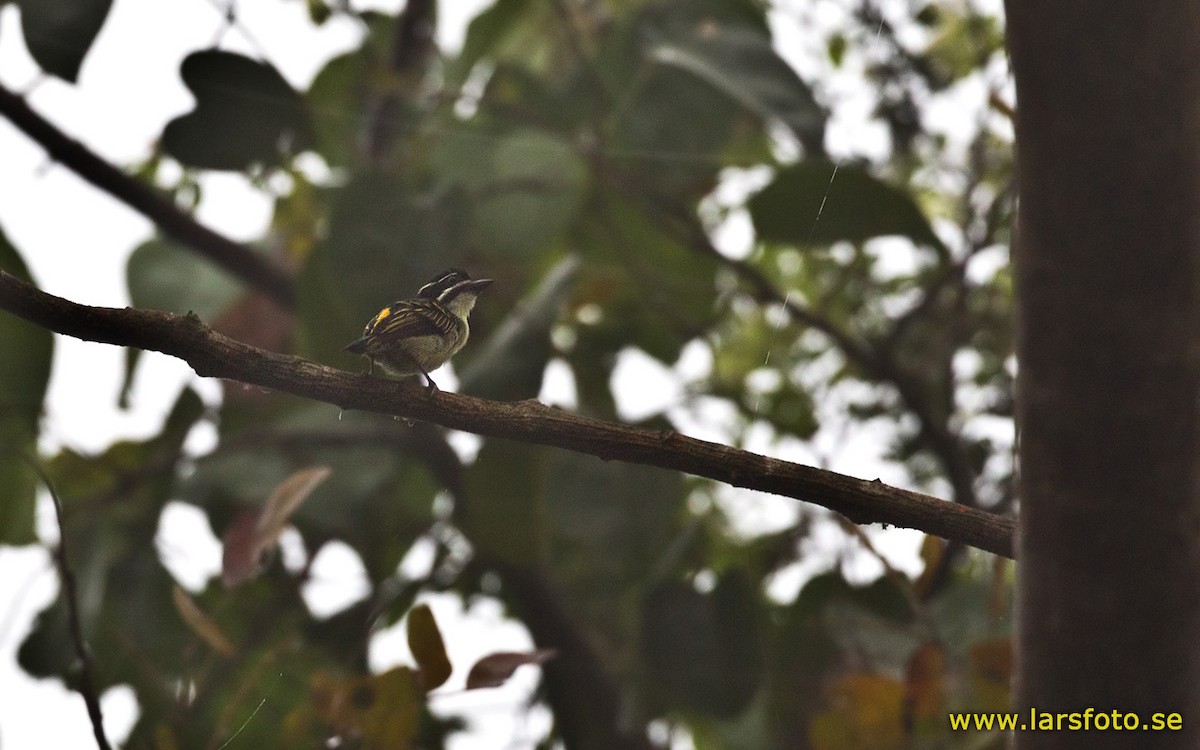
[212, 355]
[87, 683]
[254, 269]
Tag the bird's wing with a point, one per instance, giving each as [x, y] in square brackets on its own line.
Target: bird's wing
[406, 319]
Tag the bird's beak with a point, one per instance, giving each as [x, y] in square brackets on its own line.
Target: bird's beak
[478, 285]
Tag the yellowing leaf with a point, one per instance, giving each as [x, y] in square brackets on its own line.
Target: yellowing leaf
[999, 599]
[932, 549]
[991, 668]
[383, 711]
[427, 647]
[201, 624]
[390, 722]
[865, 711]
[925, 688]
[494, 670]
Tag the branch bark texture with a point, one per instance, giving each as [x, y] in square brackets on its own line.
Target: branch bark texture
[212, 355]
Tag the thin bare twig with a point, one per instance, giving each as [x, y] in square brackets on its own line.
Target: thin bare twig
[255, 269]
[87, 681]
[212, 355]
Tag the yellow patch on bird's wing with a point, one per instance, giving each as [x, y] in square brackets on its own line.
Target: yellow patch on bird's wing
[379, 318]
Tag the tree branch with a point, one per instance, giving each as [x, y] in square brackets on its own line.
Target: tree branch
[212, 355]
[246, 264]
[945, 444]
[87, 682]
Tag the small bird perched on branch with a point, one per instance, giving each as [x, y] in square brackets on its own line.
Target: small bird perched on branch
[423, 333]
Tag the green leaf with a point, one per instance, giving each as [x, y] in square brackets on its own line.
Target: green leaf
[59, 33]
[24, 373]
[124, 593]
[425, 642]
[25, 368]
[882, 598]
[656, 292]
[162, 275]
[609, 527]
[705, 651]
[505, 514]
[535, 192]
[510, 366]
[18, 502]
[818, 203]
[509, 28]
[246, 113]
[740, 61]
[341, 94]
[377, 497]
[963, 43]
[385, 240]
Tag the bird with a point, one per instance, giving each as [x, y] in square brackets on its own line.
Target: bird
[421, 334]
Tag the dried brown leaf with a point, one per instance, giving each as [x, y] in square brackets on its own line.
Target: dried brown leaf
[494, 670]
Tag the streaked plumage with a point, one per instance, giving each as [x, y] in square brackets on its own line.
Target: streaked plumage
[421, 334]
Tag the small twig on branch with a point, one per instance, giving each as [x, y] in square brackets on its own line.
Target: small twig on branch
[212, 355]
[251, 267]
[87, 682]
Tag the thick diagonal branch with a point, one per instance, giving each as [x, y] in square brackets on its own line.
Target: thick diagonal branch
[255, 269]
[212, 355]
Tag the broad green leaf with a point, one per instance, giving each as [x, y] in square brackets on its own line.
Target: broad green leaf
[655, 292]
[610, 527]
[385, 240]
[111, 508]
[509, 29]
[341, 94]
[162, 275]
[18, 501]
[377, 497]
[818, 203]
[741, 62]
[59, 33]
[535, 192]
[675, 130]
[246, 113]
[504, 516]
[510, 366]
[425, 642]
[705, 651]
[24, 373]
[882, 598]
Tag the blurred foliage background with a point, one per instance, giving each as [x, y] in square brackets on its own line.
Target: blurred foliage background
[595, 157]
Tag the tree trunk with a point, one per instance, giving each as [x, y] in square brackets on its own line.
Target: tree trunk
[1108, 275]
